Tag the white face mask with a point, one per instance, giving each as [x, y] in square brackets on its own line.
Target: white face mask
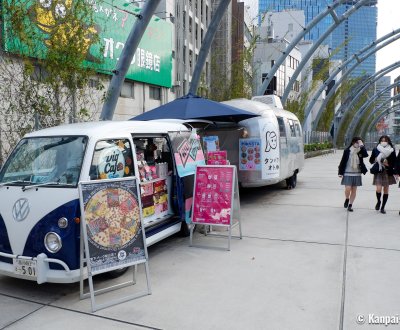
[383, 144]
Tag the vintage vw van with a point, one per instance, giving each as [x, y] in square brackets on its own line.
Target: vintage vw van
[40, 209]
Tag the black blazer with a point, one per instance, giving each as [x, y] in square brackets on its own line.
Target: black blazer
[346, 153]
[391, 168]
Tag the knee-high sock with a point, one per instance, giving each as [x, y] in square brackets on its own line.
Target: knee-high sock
[378, 196]
[384, 200]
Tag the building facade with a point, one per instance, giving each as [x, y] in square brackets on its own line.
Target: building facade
[356, 32]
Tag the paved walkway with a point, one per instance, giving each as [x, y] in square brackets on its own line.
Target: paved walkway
[304, 263]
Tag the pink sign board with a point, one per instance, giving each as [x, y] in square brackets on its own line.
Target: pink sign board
[212, 199]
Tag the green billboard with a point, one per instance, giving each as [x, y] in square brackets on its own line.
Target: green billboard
[113, 21]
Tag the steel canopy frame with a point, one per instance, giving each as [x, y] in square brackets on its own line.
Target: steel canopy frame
[380, 115]
[329, 11]
[125, 59]
[364, 107]
[364, 86]
[346, 73]
[312, 50]
[367, 83]
[206, 44]
[340, 68]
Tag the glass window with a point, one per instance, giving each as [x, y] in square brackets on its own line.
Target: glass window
[112, 159]
[127, 90]
[292, 128]
[52, 161]
[155, 93]
[298, 128]
[281, 123]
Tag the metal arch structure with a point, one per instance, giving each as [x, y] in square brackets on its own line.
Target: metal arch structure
[367, 83]
[329, 11]
[380, 115]
[339, 69]
[363, 88]
[206, 44]
[346, 73]
[364, 107]
[312, 50]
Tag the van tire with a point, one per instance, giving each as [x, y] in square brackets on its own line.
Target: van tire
[292, 181]
[185, 229]
[116, 273]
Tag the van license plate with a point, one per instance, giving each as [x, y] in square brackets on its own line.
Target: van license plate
[25, 267]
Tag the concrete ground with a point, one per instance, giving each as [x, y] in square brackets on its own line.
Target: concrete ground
[304, 263]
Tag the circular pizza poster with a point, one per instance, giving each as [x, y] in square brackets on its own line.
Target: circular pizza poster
[113, 226]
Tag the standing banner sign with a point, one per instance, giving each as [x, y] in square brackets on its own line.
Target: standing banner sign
[216, 199]
[113, 235]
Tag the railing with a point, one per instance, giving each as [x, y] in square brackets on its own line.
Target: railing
[316, 137]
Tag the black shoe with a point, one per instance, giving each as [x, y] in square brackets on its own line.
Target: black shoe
[350, 208]
[378, 206]
[383, 211]
[346, 203]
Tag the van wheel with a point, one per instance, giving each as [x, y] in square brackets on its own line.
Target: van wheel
[185, 229]
[116, 273]
[292, 181]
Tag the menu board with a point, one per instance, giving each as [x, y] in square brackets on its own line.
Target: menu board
[112, 224]
[217, 158]
[250, 154]
[213, 195]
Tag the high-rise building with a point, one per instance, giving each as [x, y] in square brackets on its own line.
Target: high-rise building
[356, 32]
[311, 9]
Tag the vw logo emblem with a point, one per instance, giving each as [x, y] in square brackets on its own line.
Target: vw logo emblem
[20, 209]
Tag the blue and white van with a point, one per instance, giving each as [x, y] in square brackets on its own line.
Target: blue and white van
[39, 208]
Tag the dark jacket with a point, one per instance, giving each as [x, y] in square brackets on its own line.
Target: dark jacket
[346, 153]
[391, 168]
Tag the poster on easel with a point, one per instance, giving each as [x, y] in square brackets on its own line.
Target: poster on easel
[216, 198]
[113, 236]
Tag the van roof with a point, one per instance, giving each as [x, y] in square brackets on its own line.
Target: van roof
[109, 128]
[259, 108]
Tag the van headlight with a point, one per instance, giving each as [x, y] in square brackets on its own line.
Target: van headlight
[52, 242]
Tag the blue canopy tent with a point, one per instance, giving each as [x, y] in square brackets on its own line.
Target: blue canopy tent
[192, 106]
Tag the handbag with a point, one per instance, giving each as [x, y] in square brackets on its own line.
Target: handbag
[375, 169]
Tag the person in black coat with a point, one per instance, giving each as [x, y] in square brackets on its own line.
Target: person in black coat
[384, 155]
[350, 168]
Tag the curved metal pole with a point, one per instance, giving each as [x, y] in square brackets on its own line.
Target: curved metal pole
[364, 107]
[368, 82]
[364, 87]
[356, 56]
[365, 129]
[321, 39]
[329, 11]
[206, 44]
[345, 74]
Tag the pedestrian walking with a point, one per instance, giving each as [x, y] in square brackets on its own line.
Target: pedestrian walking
[383, 158]
[350, 169]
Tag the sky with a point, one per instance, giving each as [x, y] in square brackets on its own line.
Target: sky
[388, 20]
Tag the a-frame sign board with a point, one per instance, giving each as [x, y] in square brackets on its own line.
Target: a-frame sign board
[112, 235]
[216, 200]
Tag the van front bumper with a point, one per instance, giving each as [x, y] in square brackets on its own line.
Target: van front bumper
[42, 272]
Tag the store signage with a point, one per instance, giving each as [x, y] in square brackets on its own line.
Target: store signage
[152, 62]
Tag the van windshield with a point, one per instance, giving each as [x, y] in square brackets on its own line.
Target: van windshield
[52, 161]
